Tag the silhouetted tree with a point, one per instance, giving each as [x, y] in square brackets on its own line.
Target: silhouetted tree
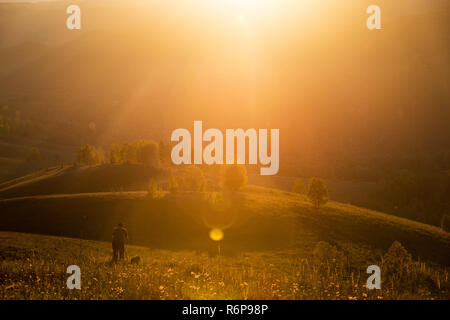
[317, 192]
[234, 177]
[147, 153]
[173, 185]
[115, 155]
[153, 190]
[192, 179]
[164, 153]
[87, 154]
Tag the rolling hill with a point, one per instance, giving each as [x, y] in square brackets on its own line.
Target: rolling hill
[79, 179]
[255, 219]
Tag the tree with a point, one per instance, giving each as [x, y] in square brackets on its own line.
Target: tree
[34, 157]
[234, 178]
[164, 153]
[128, 153]
[148, 154]
[87, 154]
[173, 185]
[115, 154]
[144, 152]
[298, 186]
[193, 179]
[153, 189]
[317, 192]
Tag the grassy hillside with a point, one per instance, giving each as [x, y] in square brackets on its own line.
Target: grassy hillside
[255, 219]
[34, 267]
[78, 179]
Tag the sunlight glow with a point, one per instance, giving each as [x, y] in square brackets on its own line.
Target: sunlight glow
[216, 234]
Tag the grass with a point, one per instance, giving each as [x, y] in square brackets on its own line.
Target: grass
[34, 266]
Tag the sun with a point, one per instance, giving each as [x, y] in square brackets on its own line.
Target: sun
[251, 5]
[216, 234]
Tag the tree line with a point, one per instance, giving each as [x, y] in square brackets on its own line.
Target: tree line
[144, 152]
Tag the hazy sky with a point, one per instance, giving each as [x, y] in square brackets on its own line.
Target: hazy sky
[404, 5]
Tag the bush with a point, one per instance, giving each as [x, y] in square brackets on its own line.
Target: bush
[325, 253]
[298, 186]
[234, 178]
[317, 192]
[396, 259]
[401, 273]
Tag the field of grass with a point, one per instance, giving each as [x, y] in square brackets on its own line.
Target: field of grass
[34, 267]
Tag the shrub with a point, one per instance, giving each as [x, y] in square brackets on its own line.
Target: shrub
[317, 192]
[396, 260]
[234, 178]
[401, 274]
[326, 255]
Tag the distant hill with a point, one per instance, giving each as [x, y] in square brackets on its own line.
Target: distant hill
[19, 55]
[152, 70]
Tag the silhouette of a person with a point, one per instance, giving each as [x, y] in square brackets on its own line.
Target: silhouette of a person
[119, 237]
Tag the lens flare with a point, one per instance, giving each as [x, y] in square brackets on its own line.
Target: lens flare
[216, 234]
